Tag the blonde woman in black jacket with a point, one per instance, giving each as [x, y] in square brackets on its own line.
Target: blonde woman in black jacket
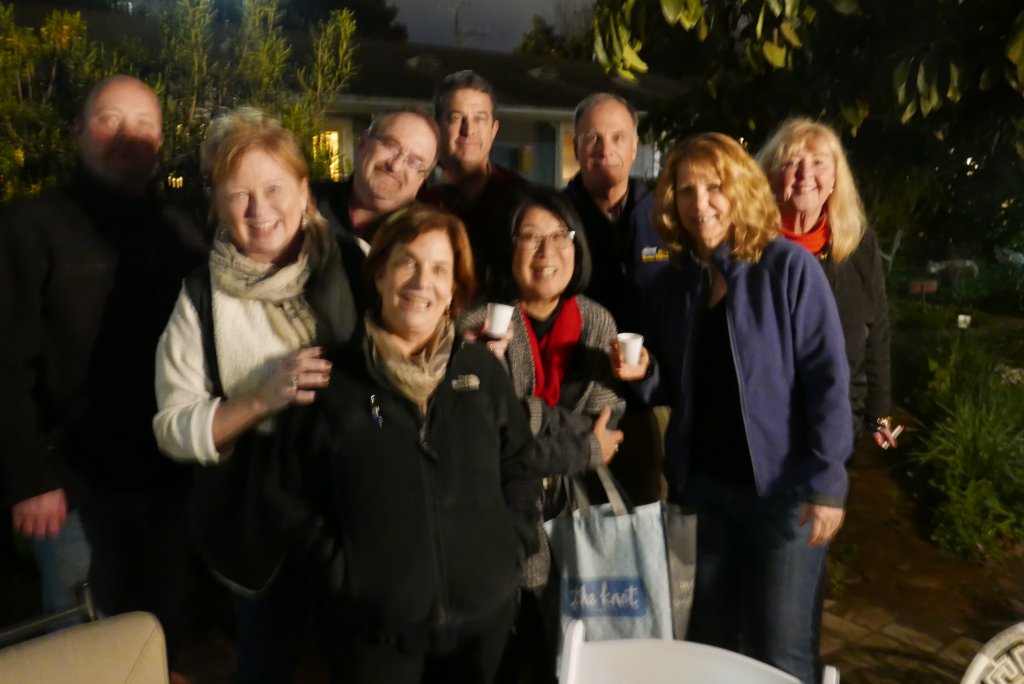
[822, 211]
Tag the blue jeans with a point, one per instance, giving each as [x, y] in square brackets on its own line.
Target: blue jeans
[758, 581]
[63, 563]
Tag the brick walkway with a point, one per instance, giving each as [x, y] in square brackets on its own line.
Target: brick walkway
[870, 647]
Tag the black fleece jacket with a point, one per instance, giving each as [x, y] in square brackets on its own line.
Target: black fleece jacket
[858, 284]
[91, 276]
[419, 524]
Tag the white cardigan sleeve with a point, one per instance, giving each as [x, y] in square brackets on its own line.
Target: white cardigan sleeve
[183, 424]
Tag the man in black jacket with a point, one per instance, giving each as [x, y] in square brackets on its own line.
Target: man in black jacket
[616, 212]
[93, 270]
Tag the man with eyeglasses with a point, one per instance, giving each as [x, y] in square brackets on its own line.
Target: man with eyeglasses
[616, 212]
[481, 193]
[392, 160]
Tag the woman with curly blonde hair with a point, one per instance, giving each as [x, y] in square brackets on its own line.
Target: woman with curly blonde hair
[822, 211]
[751, 361]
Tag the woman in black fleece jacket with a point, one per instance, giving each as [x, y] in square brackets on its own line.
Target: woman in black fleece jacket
[413, 504]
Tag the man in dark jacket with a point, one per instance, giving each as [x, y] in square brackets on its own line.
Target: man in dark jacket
[94, 268]
[627, 252]
[482, 194]
[616, 209]
[393, 158]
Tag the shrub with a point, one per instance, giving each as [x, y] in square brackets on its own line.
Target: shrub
[973, 457]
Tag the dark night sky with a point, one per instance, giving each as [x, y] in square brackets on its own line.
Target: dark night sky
[485, 24]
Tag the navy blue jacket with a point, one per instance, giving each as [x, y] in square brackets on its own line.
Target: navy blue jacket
[787, 344]
[627, 253]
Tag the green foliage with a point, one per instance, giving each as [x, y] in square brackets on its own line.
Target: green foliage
[920, 62]
[331, 69]
[262, 53]
[255, 70]
[544, 40]
[617, 27]
[44, 74]
[973, 455]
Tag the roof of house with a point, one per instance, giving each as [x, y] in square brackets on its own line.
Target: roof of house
[411, 71]
[391, 71]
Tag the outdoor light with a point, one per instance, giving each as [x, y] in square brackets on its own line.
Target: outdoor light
[963, 321]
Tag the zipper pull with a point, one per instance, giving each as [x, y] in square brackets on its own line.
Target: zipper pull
[375, 412]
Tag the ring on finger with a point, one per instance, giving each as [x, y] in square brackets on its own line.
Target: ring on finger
[294, 382]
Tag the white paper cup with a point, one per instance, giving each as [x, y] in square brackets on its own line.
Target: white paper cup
[630, 345]
[498, 318]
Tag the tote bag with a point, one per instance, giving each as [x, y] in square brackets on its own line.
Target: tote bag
[626, 572]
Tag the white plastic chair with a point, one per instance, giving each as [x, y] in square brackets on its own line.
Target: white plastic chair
[655, 661]
[1000, 660]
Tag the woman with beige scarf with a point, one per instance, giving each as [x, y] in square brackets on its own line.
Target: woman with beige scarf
[415, 506]
[276, 290]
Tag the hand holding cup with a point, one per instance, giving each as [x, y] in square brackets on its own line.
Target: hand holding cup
[629, 357]
[495, 332]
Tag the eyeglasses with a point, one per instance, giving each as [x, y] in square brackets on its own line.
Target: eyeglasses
[397, 154]
[532, 241]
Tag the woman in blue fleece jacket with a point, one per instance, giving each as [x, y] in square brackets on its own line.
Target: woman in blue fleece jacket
[752, 362]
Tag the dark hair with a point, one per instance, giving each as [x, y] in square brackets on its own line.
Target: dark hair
[383, 117]
[404, 226]
[596, 99]
[559, 205]
[466, 79]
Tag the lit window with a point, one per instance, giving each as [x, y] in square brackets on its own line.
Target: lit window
[569, 164]
[325, 146]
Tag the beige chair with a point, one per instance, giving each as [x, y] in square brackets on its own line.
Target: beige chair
[123, 649]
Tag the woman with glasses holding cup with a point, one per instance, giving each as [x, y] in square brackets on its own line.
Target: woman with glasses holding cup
[751, 360]
[556, 345]
[556, 350]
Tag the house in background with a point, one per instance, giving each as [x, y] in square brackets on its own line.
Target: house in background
[536, 96]
[536, 100]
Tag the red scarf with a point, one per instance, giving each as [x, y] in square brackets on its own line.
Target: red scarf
[813, 240]
[551, 356]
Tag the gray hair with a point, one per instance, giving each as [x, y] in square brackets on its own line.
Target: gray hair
[383, 117]
[596, 99]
